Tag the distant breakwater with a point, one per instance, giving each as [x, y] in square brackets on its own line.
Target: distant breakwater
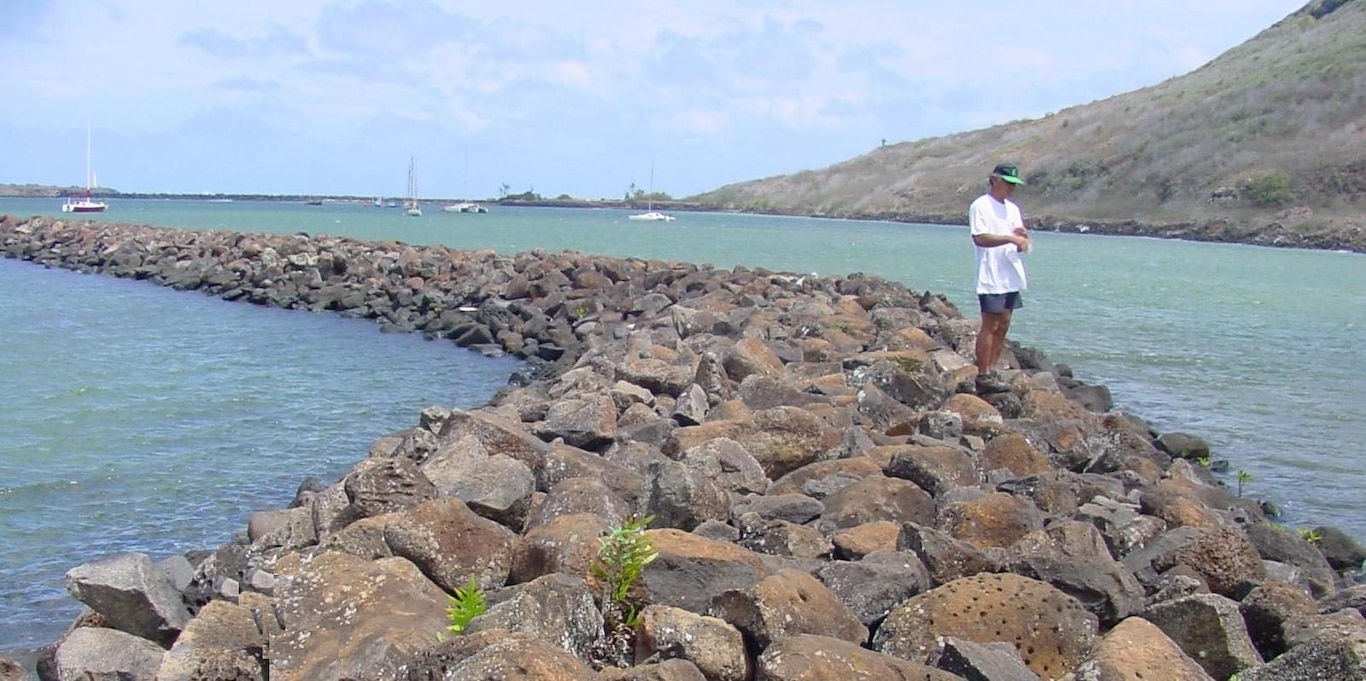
[827, 496]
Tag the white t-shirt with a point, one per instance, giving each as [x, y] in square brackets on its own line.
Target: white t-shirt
[1000, 269]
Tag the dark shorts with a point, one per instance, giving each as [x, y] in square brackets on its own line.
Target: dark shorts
[996, 303]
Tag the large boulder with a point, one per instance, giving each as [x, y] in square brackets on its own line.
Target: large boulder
[807, 657]
[223, 641]
[692, 570]
[1134, 650]
[556, 608]
[1073, 557]
[133, 595]
[347, 617]
[786, 604]
[1222, 556]
[97, 654]
[1210, 629]
[1052, 631]
[492, 654]
[715, 647]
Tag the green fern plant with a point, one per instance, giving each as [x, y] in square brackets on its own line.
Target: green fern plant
[467, 604]
[1310, 535]
[622, 555]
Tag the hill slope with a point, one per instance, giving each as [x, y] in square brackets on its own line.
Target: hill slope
[1265, 144]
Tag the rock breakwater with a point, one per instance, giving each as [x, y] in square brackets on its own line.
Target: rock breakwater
[827, 499]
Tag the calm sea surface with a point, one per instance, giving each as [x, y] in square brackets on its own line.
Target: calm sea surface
[136, 418]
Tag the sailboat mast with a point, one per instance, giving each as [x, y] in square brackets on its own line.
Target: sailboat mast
[87, 159]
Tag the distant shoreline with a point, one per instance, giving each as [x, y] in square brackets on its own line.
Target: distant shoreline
[1219, 230]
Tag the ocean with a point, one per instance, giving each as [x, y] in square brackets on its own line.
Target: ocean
[137, 418]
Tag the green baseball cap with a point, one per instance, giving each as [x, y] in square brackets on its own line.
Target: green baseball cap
[1007, 172]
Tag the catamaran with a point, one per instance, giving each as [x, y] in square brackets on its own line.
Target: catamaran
[650, 214]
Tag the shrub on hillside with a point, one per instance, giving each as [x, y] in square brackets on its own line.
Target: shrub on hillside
[1269, 190]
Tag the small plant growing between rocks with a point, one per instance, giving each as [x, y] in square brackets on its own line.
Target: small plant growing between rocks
[1243, 478]
[622, 556]
[909, 365]
[1310, 535]
[467, 604]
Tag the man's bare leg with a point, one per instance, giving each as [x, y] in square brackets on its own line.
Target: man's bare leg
[991, 339]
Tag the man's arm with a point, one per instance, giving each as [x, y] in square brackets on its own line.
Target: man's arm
[1020, 239]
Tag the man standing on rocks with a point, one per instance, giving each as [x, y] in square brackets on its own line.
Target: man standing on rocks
[1000, 236]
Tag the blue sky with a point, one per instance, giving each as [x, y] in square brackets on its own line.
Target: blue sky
[578, 98]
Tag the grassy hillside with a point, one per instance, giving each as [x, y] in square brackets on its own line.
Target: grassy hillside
[1267, 139]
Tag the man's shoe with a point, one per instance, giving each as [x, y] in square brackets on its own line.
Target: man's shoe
[990, 383]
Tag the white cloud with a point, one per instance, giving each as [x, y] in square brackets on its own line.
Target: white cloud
[568, 96]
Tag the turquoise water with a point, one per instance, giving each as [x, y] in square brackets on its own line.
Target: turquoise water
[138, 418]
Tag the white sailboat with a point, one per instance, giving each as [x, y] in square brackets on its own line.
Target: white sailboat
[465, 206]
[650, 215]
[85, 204]
[414, 210]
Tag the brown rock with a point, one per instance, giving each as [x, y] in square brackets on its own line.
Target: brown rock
[1222, 556]
[750, 356]
[1136, 650]
[946, 557]
[378, 486]
[669, 670]
[495, 654]
[451, 543]
[782, 538]
[1269, 611]
[584, 494]
[856, 542]
[979, 417]
[1178, 510]
[223, 638]
[691, 570]
[936, 469]
[1052, 632]
[786, 604]
[1048, 406]
[818, 658]
[995, 520]
[716, 648]
[346, 617]
[566, 544]
[878, 498]
[555, 608]
[497, 434]
[1014, 453]
[1073, 557]
[563, 462]
[586, 421]
[823, 478]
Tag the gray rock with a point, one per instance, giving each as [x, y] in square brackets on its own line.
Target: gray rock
[1210, 629]
[132, 594]
[101, 654]
[876, 584]
[978, 662]
[1340, 658]
[684, 497]
[554, 608]
[794, 508]
[712, 645]
[339, 619]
